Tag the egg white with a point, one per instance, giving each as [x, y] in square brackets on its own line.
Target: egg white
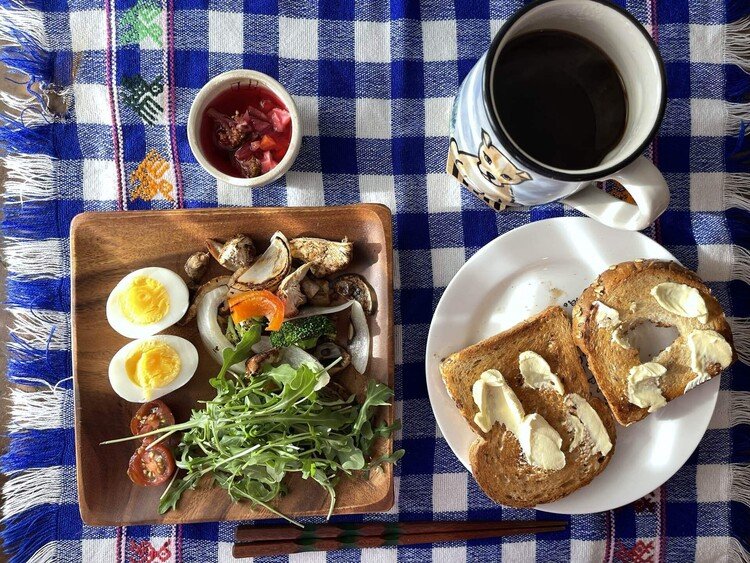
[177, 292]
[125, 388]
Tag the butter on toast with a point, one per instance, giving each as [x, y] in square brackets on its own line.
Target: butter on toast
[496, 457]
[626, 288]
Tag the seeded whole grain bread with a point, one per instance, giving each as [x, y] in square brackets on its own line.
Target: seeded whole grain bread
[626, 287]
[496, 457]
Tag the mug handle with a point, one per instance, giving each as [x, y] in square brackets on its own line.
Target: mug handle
[643, 181]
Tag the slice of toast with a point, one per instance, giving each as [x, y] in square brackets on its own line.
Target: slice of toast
[626, 288]
[496, 458]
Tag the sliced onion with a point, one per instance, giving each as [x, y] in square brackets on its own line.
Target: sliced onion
[312, 311]
[359, 347]
[212, 336]
[296, 357]
[201, 292]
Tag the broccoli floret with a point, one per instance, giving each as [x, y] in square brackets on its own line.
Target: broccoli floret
[303, 332]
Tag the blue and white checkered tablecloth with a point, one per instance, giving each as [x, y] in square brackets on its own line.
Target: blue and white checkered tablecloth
[374, 81]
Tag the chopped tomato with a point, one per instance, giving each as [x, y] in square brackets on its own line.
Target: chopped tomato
[267, 143]
[151, 416]
[258, 304]
[151, 467]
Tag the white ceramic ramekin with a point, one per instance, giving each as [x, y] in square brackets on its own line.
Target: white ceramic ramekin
[220, 84]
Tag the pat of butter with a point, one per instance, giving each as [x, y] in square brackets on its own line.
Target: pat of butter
[541, 443]
[537, 373]
[606, 316]
[643, 386]
[591, 422]
[496, 402]
[681, 300]
[574, 425]
[707, 348]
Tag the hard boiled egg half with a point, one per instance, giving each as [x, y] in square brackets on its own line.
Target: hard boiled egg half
[149, 368]
[147, 301]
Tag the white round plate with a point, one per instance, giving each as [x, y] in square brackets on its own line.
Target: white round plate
[524, 271]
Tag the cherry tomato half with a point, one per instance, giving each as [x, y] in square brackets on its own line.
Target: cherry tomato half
[151, 467]
[151, 416]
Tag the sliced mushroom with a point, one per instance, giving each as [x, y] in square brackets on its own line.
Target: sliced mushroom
[254, 364]
[238, 252]
[354, 286]
[327, 352]
[318, 292]
[290, 291]
[267, 271]
[326, 257]
[200, 293]
[196, 266]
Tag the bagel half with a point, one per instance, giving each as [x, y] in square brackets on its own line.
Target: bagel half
[496, 458]
[626, 288]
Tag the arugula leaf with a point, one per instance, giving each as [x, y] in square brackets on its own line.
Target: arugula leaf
[281, 374]
[172, 494]
[242, 351]
[351, 457]
[377, 395]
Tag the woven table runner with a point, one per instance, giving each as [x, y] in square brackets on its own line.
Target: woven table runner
[103, 127]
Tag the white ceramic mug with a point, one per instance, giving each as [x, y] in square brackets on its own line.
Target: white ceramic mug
[485, 159]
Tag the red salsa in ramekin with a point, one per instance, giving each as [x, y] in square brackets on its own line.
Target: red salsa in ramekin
[245, 131]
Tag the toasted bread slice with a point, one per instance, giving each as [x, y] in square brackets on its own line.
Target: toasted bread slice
[626, 288]
[496, 457]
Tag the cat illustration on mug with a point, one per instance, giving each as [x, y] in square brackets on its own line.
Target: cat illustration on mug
[490, 165]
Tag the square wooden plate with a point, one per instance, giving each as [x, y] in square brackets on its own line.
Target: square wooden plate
[104, 248]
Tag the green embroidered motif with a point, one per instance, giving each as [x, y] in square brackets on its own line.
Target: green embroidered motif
[141, 21]
[140, 96]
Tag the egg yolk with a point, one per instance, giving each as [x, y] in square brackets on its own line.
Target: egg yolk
[152, 365]
[144, 301]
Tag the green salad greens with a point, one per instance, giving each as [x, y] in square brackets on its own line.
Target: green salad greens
[282, 420]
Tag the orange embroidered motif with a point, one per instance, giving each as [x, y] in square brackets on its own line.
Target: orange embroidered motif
[148, 179]
[145, 552]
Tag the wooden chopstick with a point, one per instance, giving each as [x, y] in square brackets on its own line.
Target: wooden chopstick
[247, 534]
[257, 541]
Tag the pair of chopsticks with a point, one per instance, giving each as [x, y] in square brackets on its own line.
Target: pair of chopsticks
[258, 541]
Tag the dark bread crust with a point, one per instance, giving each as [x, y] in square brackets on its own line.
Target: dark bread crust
[495, 456]
[619, 287]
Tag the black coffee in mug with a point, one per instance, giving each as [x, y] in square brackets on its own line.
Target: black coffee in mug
[560, 99]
